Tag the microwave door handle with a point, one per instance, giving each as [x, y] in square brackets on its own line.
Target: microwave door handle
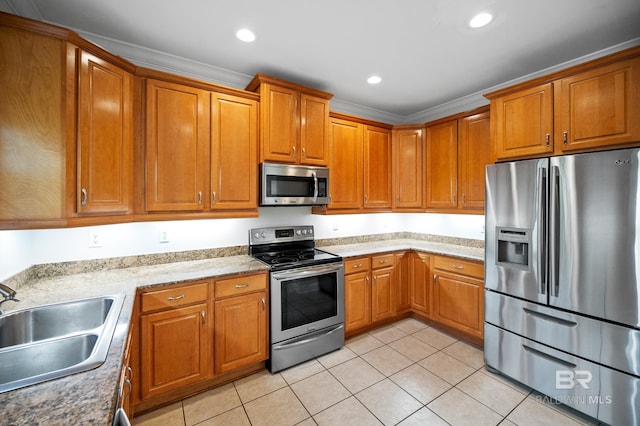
[315, 186]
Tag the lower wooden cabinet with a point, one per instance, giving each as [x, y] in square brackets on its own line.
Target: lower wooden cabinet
[419, 281]
[357, 293]
[458, 295]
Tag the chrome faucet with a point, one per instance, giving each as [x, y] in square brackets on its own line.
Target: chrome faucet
[7, 293]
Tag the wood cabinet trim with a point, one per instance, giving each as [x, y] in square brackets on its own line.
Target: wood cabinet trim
[260, 79]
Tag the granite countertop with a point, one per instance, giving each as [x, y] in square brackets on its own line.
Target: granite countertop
[90, 397]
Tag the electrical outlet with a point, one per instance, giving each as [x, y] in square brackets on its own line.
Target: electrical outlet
[95, 239]
[335, 227]
[163, 235]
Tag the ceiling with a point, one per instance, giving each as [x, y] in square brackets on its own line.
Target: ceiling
[425, 53]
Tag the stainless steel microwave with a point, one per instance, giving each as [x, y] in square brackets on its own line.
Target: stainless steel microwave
[293, 185]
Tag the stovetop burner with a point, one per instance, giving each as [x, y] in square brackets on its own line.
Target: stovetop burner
[283, 248]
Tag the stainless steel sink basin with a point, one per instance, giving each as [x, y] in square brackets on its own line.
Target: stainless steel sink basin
[52, 341]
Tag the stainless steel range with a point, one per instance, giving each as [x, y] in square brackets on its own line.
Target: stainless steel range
[306, 294]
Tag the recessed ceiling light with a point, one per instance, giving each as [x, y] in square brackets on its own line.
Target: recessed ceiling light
[480, 20]
[246, 35]
[374, 79]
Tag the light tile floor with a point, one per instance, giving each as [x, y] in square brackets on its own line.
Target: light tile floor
[403, 374]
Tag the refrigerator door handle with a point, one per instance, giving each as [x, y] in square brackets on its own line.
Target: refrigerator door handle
[554, 232]
[542, 230]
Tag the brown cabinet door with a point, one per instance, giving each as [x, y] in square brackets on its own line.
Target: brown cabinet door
[279, 124]
[458, 302]
[598, 108]
[377, 167]
[442, 165]
[240, 331]
[314, 130]
[345, 164]
[524, 123]
[175, 349]
[408, 169]
[234, 152]
[357, 300]
[177, 147]
[382, 294]
[420, 283]
[474, 153]
[402, 282]
[105, 137]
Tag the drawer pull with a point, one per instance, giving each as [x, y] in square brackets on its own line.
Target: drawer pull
[357, 265]
[171, 298]
[384, 260]
[457, 266]
[202, 314]
[245, 285]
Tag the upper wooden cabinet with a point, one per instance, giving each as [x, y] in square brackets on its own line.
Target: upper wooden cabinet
[105, 137]
[200, 150]
[586, 107]
[458, 150]
[408, 168]
[294, 122]
[377, 167]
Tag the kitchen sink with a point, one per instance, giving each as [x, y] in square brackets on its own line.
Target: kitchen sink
[52, 341]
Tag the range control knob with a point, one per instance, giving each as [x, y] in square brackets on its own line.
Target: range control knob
[304, 232]
[310, 231]
[256, 235]
[298, 232]
[263, 234]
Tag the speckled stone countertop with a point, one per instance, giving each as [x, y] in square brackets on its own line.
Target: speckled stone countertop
[90, 397]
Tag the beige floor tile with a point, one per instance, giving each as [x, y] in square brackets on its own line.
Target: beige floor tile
[336, 357]
[258, 384]
[459, 409]
[564, 409]
[319, 392]
[532, 412]
[422, 418]
[469, 354]
[388, 334]
[362, 344]
[308, 422]
[435, 338]
[388, 402]
[171, 415]
[209, 404]
[348, 412]
[421, 383]
[410, 325]
[281, 408]
[507, 381]
[446, 367]
[412, 348]
[235, 417]
[491, 392]
[302, 371]
[387, 360]
[356, 374]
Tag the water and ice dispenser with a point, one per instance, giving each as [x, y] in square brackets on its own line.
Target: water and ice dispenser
[514, 247]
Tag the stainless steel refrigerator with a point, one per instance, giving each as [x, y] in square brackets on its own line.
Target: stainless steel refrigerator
[562, 279]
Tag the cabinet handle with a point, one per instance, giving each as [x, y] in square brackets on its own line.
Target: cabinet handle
[294, 151]
[171, 298]
[547, 139]
[375, 279]
[464, 198]
[455, 198]
[435, 278]
[457, 266]
[245, 285]
[213, 198]
[84, 197]
[384, 261]
[564, 137]
[366, 279]
[264, 305]
[129, 388]
[202, 314]
[304, 153]
[200, 198]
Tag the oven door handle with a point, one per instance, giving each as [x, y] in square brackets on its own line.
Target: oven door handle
[306, 272]
[315, 336]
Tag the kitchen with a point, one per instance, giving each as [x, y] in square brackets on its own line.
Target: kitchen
[25, 248]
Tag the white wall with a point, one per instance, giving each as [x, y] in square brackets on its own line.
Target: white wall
[21, 249]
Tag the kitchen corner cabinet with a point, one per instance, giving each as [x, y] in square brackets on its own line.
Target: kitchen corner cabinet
[241, 322]
[408, 168]
[176, 338]
[587, 107]
[457, 152]
[458, 295]
[105, 137]
[403, 282]
[420, 279]
[294, 122]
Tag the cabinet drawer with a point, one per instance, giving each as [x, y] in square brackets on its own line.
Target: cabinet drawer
[240, 285]
[472, 269]
[173, 297]
[383, 260]
[357, 265]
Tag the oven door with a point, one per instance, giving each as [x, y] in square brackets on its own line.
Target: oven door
[304, 300]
